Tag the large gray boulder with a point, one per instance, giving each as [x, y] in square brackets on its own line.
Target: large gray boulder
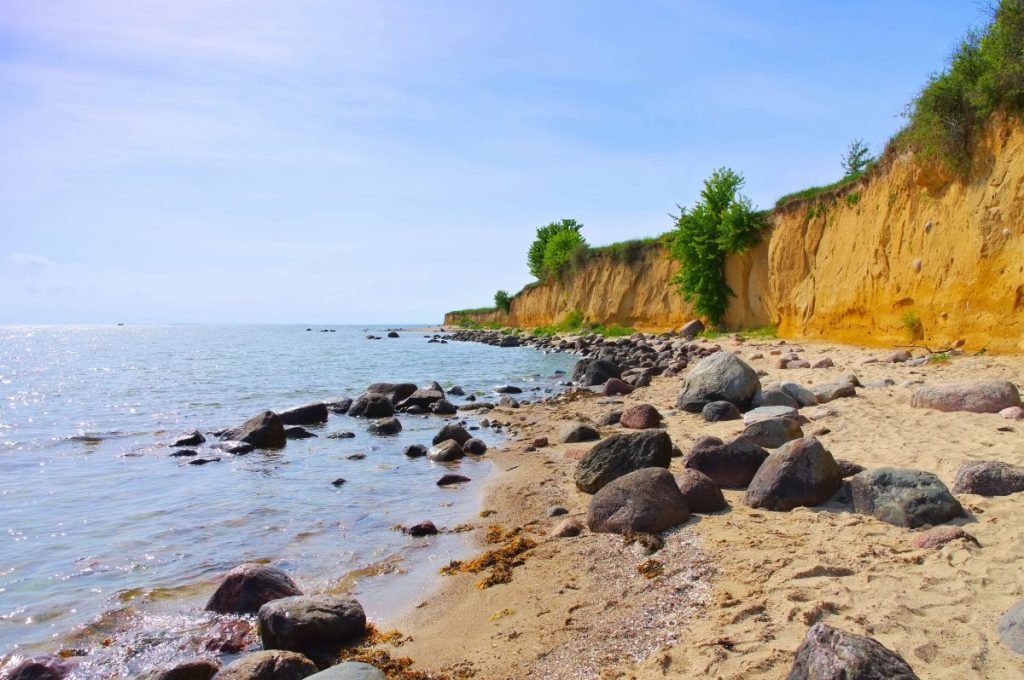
[456, 432]
[756, 415]
[571, 433]
[621, 454]
[773, 396]
[248, 587]
[907, 498]
[307, 414]
[801, 473]
[372, 405]
[395, 392]
[269, 665]
[594, 371]
[773, 432]
[311, 624]
[989, 478]
[828, 653]
[264, 431]
[827, 392]
[646, 500]
[446, 451]
[986, 396]
[730, 466]
[721, 376]
[350, 670]
[1011, 628]
[801, 394]
[424, 398]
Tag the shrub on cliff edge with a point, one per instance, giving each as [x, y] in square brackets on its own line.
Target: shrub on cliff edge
[553, 249]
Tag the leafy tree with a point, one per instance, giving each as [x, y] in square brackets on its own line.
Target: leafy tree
[723, 221]
[857, 157]
[552, 250]
[503, 301]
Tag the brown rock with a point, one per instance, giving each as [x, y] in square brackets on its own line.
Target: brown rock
[640, 417]
[940, 536]
[700, 491]
[567, 528]
[248, 587]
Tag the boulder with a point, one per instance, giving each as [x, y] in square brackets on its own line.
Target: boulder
[508, 402]
[446, 451]
[1011, 628]
[342, 435]
[307, 414]
[760, 413]
[646, 500]
[700, 491]
[424, 528]
[197, 669]
[423, 398]
[730, 466]
[773, 396]
[640, 417]
[773, 433]
[296, 432]
[827, 392]
[269, 665]
[508, 389]
[907, 498]
[444, 408]
[989, 478]
[612, 418]
[571, 433]
[823, 363]
[264, 431]
[395, 392]
[847, 468]
[987, 396]
[802, 395]
[716, 411]
[456, 432]
[311, 624]
[193, 438]
[899, 356]
[721, 376]
[801, 473]
[594, 371]
[475, 446]
[615, 387]
[415, 451]
[621, 454]
[340, 406]
[450, 479]
[248, 587]
[385, 426]
[350, 670]
[692, 329]
[233, 446]
[828, 653]
[372, 405]
[44, 667]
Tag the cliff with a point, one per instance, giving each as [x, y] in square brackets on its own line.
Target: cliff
[906, 255]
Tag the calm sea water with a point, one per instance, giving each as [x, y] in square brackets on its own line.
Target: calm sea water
[104, 536]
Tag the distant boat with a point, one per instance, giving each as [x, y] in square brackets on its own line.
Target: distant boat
[120, 324]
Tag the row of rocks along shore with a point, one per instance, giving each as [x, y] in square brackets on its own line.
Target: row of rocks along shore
[779, 465]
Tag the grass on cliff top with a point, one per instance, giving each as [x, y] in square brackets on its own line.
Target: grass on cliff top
[825, 191]
[471, 312]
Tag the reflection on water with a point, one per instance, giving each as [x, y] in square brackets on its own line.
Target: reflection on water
[106, 538]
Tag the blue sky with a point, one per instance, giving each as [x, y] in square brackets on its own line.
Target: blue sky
[334, 161]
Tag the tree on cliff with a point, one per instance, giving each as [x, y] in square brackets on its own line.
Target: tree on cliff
[552, 250]
[503, 301]
[723, 221]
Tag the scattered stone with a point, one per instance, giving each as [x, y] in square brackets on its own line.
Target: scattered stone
[44, 667]
[446, 451]
[539, 442]
[716, 411]
[700, 491]
[372, 405]
[611, 418]
[197, 669]
[615, 387]
[847, 468]
[797, 363]
[451, 479]
[567, 528]
[987, 396]
[307, 414]
[264, 431]
[907, 498]
[828, 653]
[573, 433]
[233, 447]
[350, 670]
[296, 432]
[1013, 413]
[556, 511]
[588, 372]
[424, 528]
[831, 391]
[640, 417]
[899, 356]
[1011, 628]
[819, 412]
[415, 451]
[760, 413]
[721, 376]
[310, 624]
[248, 587]
[823, 363]
[773, 433]
[508, 402]
[508, 389]
[269, 665]
[692, 329]
[193, 438]
[646, 500]
[340, 481]
[620, 454]
[475, 446]
[773, 396]
[341, 435]
[989, 478]
[802, 395]
[730, 466]
[940, 536]
[203, 461]
[801, 473]
[186, 453]
[340, 406]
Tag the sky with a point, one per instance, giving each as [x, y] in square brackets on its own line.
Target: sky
[329, 161]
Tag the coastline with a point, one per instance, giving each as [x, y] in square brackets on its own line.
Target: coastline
[758, 579]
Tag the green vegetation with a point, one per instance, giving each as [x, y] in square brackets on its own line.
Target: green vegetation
[503, 301]
[857, 158]
[723, 221]
[760, 332]
[552, 251]
[575, 322]
[473, 312]
[853, 198]
[912, 325]
[855, 163]
[940, 358]
[985, 74]
[472, 325]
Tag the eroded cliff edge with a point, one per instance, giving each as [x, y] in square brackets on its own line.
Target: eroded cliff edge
[909, 254]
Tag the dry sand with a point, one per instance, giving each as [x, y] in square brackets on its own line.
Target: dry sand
[741, 587]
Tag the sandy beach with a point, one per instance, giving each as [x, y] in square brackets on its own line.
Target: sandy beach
[740, 588]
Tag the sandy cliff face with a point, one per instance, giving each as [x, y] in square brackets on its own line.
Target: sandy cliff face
[907, 256]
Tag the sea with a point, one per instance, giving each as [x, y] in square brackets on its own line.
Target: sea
[109, 546]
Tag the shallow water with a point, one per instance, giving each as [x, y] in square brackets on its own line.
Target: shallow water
[106, 536]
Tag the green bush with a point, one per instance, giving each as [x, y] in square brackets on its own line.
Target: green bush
[552, 250]
[723, 221]
[503, 301]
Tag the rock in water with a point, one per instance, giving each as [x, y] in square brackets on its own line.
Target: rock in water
[265, 431]
[248, 587]
[450, 479]
[730, 466]
[907, 498]
[720, 377]
[385, 426]
[989, 478]
[423, 398]
[372, 405]
[1011, 628]
[595, 371]
[572, 433]
[45, 667]
[193, 438]
[395, 392]
[640, 417]
[269, 665]
[233, 446]
[199, 669]
[456, 432]
[350, 670]
[828, 653]
[475, 446]
[987, 396]
[415, 451]
[801, 473]
[621, 454]
[700, 491]
[446, 451]
[296, 432]
[311, 624]
[646, 500]
[307, 414]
